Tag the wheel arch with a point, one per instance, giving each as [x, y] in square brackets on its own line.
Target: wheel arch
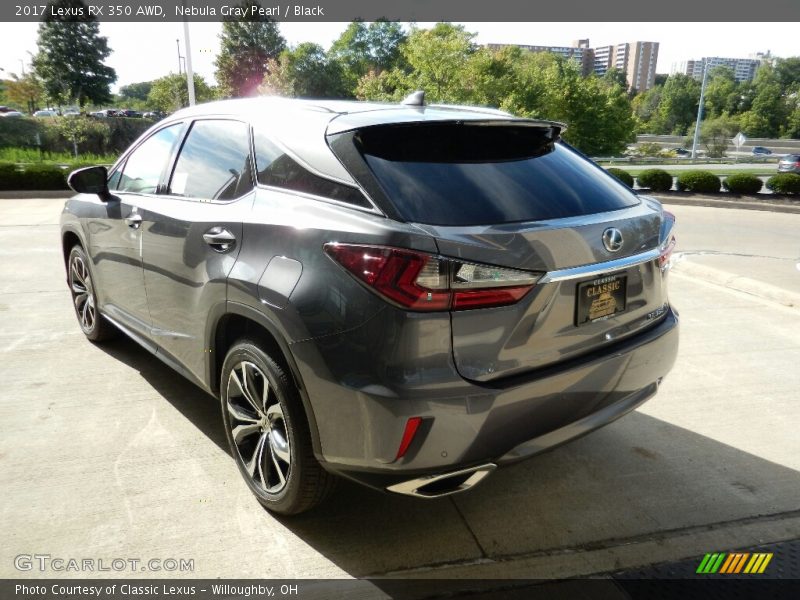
[69, 239]
[240, 321]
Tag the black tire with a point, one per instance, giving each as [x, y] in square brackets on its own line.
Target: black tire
[276, 424]
[84, 298]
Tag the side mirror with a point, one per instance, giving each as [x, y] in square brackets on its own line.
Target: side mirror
[90, 180]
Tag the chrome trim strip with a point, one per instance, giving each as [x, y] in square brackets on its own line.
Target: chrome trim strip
[412, 487]
[600, 268]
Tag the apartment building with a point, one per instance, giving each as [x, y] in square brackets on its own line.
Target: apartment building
[581, 54]
[744, 69]
[636, 59]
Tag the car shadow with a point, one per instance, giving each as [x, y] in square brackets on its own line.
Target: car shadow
[195, 404]
[639, 478]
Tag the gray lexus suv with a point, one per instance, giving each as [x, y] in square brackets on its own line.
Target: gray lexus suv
[405, 295]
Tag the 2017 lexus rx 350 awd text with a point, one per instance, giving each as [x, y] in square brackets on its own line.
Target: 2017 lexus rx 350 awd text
[405, 295]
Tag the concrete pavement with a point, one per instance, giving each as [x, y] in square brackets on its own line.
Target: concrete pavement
[107, 453]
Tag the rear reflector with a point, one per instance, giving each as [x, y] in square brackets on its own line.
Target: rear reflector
[408, 435]
[424, 282]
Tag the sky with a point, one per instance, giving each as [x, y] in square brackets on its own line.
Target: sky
[146, 51]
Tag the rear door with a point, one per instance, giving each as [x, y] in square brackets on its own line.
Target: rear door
[192, 235]
[507, 195]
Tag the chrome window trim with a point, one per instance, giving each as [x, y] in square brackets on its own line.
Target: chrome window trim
[596, 269]
[374, 210]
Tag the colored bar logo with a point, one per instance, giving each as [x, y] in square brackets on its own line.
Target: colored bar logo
[734, 563]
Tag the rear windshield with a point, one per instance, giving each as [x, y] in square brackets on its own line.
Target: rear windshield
[476, 174]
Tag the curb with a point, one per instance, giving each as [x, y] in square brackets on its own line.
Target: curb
[28, 194]
[764, 205]
[736, 282]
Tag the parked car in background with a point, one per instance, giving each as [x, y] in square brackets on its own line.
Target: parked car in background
[132, 114]
[683, 152]
[71, 112]
[406, 295]
[45, 114]
[761, 150]
[789, 164]
[11, 114]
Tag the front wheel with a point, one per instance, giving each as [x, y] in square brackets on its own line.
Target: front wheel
[84, 297]
[268, 432]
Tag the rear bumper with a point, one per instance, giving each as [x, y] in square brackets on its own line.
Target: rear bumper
[468, 424]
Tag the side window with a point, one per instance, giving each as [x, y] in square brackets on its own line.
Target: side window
[113, 181]
[214, 162]
[278, 169]
[142, 170]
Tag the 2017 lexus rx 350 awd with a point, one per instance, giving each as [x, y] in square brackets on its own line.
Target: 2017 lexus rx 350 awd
[405, 295]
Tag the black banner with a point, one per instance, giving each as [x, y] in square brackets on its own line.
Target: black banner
[412, 10]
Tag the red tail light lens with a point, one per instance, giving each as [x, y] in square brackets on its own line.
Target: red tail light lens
[423, 282]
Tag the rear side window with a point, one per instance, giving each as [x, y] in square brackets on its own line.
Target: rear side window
[214, 162]
[144, 167]
[478, 174]
[278, 169]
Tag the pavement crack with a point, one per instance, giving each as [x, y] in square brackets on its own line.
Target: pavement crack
[484, 554]
[590, 546]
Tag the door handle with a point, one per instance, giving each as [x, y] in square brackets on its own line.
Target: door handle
[220, 240]
[134, 220]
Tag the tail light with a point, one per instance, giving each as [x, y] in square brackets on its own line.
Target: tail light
[424, 282]
[666, 241]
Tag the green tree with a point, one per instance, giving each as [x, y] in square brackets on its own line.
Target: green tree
[304, 71]
[716, 133]
[787, 72]
[363, 49]
[677, 110]
[171, 92]
[246, 48]
[24, 92]
[78, 129]
[615, 76]
[136, 91]
[722, 93]
[770, 109]
[645, 108]
[70, 58]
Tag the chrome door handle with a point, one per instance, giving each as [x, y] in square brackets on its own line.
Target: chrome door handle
[134, 220]
[220, 240]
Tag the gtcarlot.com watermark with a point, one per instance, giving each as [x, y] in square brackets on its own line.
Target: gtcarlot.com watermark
[60, 564]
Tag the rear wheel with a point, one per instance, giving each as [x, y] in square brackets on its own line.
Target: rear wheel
[268, 432]
[84, 298]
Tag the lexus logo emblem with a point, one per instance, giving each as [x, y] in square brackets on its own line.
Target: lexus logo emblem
[612, 239]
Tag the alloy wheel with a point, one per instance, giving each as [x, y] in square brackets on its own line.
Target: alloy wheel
[258, 427]
[80, 282]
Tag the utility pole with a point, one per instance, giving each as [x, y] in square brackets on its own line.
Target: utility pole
[700, 111]
[189, 74]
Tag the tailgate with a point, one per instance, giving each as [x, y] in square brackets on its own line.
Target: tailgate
[589, 297]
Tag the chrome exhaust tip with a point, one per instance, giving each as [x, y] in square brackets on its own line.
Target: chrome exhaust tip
[436, 486]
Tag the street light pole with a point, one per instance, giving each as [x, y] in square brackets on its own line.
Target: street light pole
[189, 74]
[699, 111]
[178, 46]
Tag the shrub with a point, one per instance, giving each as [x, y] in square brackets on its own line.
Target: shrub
[657, 180]
[43, 177]
[784, 183]
[622, 175]
[698, 181]
[743, 183]
[10, 176]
